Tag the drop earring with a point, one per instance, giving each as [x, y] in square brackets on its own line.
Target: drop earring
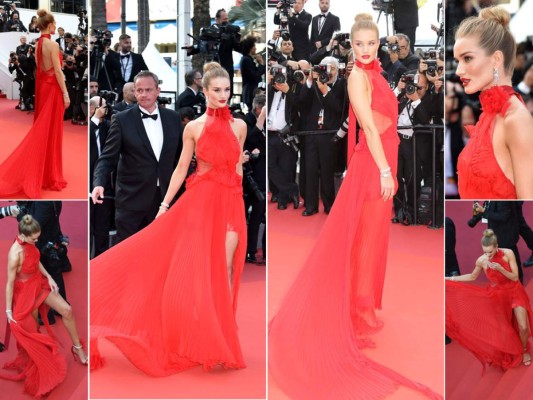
[495, 75]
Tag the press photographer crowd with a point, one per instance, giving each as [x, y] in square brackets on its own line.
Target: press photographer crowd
[22, 62]
[310, 59]
[122, 89]
[463, 110]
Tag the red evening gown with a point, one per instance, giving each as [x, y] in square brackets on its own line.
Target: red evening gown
[482, 319]
[163, 295]
[315, 339]
[36, 163]
[479, 174]
[38, 362]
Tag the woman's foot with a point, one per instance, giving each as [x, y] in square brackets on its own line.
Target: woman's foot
[526, 359]
[79, 354]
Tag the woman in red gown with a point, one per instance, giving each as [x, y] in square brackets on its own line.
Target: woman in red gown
[37, 162]
[494, 322]
[497, 162]
[31, 290]
[315, 339]
[167, 296]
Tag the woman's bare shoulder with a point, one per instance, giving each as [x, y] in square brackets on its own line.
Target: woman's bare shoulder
[518, 122]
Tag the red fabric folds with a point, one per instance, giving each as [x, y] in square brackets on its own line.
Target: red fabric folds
[315, 339]
[163, 296]
[480, 176]
[481, 318]
[36, 163]
[38, 362]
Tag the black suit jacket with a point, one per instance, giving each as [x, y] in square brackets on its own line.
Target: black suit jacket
[251, 76]
[128, 148]
[103, 131]
[255, 139]
[187, 98]
[334, 104]
[47, 214]
[299, 31]
[58, 41]
[114, 68]
[225, 52]
[331, 24]
[290, 102]
[405, 14]
[122, 106]
[11, 26]
[503, 219]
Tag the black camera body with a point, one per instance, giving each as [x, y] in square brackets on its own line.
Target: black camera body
[343, 39]
[411, 83]
[323, 71]
[164, 100]
[394, 47]
[13, 57]
[285, 7]
[103, 40]
[110, 99]
[279, 73]
[300, 75]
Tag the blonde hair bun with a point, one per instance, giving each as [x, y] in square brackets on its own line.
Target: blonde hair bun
[42, 12]
[211, 66]
[488, 233]
[499, 14]
[363, 17]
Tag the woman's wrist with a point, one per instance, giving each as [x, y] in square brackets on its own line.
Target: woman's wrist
[385, 172]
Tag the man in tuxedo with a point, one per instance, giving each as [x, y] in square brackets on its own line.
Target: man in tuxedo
[128, 95]
[323, 26]
[298, 24]
[61, 39]
[143, 144]
[326, 107]
[14, 24]
[101, 214]
[3, 19]
[193, 94]
[123, 66]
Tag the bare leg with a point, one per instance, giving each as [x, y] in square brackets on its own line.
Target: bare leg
[232, 240]
[62, 307]
[523, 328]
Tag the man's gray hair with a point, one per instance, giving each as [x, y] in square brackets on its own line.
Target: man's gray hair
[330, 60]
[147, 74]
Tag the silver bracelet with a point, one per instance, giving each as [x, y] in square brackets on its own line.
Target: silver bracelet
[163, 204]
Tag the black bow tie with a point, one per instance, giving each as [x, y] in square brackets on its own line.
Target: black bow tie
[153, 116]
[296, 14]
[322, 16]
[124, 56]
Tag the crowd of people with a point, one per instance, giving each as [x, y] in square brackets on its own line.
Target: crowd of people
[308, 110]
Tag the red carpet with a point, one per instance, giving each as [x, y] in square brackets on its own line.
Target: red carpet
[73, 224]
[15, 125]
[464, 379]
[411, 341]
[120, 379]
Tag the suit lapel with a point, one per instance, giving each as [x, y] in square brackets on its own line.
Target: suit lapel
[167, 132]
[137, 120]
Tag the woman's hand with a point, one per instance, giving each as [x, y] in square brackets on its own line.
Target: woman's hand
[495, 266]
[387, 187]
[161, 211]
[10, 319]
[53, 285]
[66, 101]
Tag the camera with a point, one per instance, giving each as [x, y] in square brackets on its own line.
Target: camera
[288, 139]
[342, 70]
[248, 178]
[476, 216]
[343, 39]
[300, 75]
[70, 63]
[273, 53]
[284, 8]
[323, 71]
[164, 100]
[103, 40]
[411, 83]
[208, 43]
[279, 74]
[13, 56]
[284, 34]
[82, 13]
[110, 99]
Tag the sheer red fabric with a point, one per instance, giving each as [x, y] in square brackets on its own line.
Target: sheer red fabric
[482, 320]
[38, 362]
[480, 176]
[315, 339]
[163, 296]
[36, 163]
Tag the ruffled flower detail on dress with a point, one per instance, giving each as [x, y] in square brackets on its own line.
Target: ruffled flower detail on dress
[496, 99]
[222, 112]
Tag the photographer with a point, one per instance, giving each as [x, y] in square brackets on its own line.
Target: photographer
[128, 96]
[23, 47]
[338, 47]
[101, 215]
[192, 96]
[71, 78]
[398, 50]
[406, 20]
[323, 27]
[413, 109]
[3, 19]
[281, 55]
[282, 146]
[14, 24]
[255, 168]
[297, 21]
[324, 98]
[230, 40]
[100, 50]
[251, 73]
[24, 67]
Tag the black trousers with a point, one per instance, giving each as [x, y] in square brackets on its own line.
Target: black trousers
[281, 166]
[404, 196]
[101, 221]
[320, 162]
[129, 222]
[255, 217]
[525, 231]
